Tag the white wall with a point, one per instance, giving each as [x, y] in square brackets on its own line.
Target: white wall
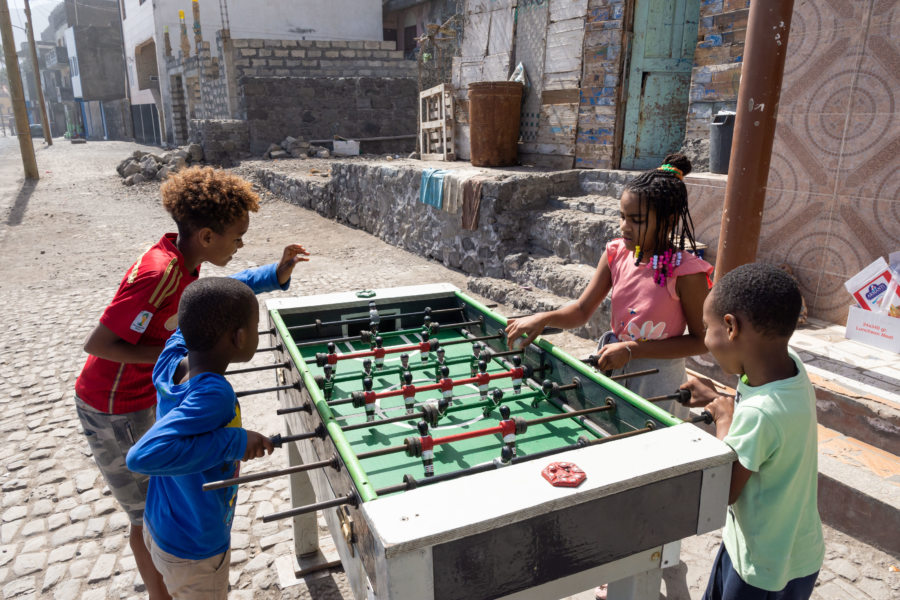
[138, 28]
[74, 72]
[276, 19]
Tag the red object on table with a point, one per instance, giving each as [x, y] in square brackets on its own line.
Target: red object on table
[564, 474]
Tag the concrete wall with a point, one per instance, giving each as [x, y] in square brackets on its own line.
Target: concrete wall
[100, 62]
[313, 108]
[138, 28]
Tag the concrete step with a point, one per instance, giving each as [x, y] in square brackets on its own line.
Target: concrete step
[589, 203]
[604, 182]
[527, 299]
[859, 489]
[572, 235]
[549, 273]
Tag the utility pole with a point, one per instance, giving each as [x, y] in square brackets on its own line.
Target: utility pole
[765, 51]
[45, 122]
[17, 93]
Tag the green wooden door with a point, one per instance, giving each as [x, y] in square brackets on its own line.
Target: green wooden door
[659, 78]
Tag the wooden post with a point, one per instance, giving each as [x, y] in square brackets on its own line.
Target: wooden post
[45, 122]
[17, 93]
[754, 132]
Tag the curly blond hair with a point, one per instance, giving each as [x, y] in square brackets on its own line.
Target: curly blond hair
[205, 197]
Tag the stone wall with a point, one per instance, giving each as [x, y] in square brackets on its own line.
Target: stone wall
[224, 141]
[383, 200]
[314, 108]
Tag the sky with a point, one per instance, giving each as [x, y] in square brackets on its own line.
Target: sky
[40, 11]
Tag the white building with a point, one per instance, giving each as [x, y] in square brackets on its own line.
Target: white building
[145, 22]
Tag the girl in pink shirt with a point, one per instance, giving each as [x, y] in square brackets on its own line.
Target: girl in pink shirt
[658, 287]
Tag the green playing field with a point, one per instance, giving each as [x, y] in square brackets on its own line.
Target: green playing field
[465, 414]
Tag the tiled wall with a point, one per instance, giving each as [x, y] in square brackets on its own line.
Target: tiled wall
[833, 200]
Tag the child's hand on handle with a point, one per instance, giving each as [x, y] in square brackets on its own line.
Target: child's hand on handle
[292, 254]
[703, 391]
[722, 411]
[258, 446]
[530, 326]
[614, 356]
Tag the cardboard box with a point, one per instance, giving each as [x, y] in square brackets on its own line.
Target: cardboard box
[874, 328]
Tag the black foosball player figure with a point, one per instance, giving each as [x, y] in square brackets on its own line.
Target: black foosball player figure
[404, 366]
[373, 331]
[409, 392]
[446, 384]
[427, 449]
[379, 353]
[483, 379]
[367, 367]
[473, 362]
[328, 376]
[496, 398]
[424, 353]
[440, 353]
[374, 317]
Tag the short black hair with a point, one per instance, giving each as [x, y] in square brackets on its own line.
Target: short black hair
[212, 307]
[761, 293]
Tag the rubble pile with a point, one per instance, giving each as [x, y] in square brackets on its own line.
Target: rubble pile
[145, 166]
[291, 147]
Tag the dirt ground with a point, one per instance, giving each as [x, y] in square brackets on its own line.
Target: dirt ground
[65, 243]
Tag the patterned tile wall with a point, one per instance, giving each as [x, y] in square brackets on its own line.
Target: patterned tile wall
[833, 197]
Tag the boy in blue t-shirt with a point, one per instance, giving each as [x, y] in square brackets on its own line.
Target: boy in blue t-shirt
[772, 544]
[198, 438]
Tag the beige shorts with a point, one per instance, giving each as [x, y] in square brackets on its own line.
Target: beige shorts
[187, 579]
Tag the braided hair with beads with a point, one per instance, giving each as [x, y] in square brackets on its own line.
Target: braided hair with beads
[663, 191]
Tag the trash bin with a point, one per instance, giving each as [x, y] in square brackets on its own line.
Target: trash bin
[495, 111]
[721, 131]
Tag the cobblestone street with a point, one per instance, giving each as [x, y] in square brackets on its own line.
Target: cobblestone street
[65, 243]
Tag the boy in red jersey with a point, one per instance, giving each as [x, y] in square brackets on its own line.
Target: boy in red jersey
[115, 398]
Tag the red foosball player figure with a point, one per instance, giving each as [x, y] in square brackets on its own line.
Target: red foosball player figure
[427, 449]
[446, 384]
[484, 379]
[409, 392]
[379, 353]
[509, 429]
[369, 399]
[518, 372]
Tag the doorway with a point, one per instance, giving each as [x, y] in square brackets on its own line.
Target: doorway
[659, 79]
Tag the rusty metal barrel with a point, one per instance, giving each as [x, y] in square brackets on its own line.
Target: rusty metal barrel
[495, 111]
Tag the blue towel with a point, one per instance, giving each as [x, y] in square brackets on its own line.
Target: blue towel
[431, 191]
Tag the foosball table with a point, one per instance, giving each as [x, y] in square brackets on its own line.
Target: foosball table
[451, 464]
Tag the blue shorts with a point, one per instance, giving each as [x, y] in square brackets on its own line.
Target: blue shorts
[726, 584]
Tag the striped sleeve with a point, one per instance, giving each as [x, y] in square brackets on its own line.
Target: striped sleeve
[139, 297]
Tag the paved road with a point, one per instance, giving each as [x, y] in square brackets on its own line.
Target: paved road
[64, 245]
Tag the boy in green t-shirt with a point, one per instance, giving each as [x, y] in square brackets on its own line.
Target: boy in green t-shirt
[772, 545]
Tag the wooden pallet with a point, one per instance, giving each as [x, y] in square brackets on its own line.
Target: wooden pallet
[436, 123]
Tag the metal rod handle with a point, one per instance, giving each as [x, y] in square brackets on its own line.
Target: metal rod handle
[302, 510]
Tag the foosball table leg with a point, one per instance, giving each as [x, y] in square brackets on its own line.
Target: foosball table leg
[306, 529]
[646, 585]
